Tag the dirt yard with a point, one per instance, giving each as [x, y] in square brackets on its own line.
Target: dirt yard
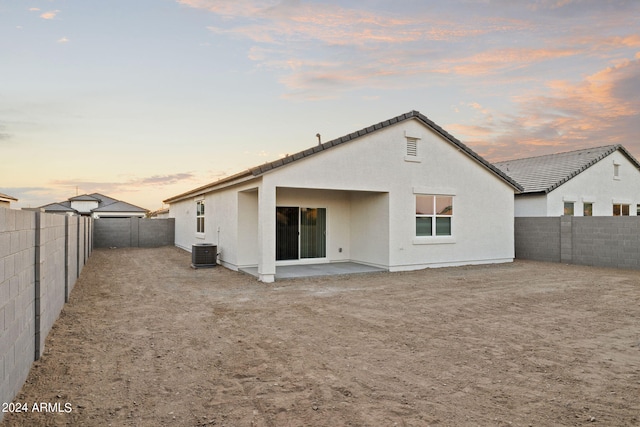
[148, 341]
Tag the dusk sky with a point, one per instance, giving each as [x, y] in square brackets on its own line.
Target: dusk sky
[144, 99]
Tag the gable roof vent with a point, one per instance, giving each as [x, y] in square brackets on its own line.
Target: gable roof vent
[412, 147]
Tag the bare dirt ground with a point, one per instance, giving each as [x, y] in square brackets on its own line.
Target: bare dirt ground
[148, 341]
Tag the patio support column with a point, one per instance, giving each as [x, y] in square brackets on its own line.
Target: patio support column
[266, 233]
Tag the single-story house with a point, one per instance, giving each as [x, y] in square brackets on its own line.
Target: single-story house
[600, 181]
[6, 200]
[95, 205]
[402, 194]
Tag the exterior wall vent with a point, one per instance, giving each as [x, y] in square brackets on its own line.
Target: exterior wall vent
[204, 255]
[412, 147]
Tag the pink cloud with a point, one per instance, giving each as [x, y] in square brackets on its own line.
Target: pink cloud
[601, 109]
[49, 15]
[499, 60]
[322, 50]
[336, 25]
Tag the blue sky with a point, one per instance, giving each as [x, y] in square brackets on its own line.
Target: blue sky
[142, 100]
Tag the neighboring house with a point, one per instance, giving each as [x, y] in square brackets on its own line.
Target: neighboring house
[159, 214]
[601, 181]
[95, 205]
[402, 195]
[5, 200]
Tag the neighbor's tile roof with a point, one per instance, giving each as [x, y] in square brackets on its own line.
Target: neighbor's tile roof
[543, 174]
[105, 204]
[259, 170]
[108, 204]
[58, 207]
[84, 198]
[119, 206]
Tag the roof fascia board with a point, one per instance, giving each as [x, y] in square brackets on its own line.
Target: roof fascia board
[214, 186]
[628, 155]
[532, 193]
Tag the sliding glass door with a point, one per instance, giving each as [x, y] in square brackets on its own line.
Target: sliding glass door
[287, 225]
[313, 233]
[301, 233]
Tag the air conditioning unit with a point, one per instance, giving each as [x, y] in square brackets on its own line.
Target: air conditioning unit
[204, 255]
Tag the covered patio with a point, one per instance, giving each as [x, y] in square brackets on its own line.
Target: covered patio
[287, 232]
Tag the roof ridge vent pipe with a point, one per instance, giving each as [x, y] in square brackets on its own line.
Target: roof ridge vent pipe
[319, 138]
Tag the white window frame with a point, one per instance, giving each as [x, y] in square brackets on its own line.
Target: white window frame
[434, 238]
[621, 206]
[200, 217]
[569, 204]
[616, 171]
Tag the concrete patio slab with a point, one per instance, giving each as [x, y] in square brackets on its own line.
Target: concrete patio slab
[313, 270]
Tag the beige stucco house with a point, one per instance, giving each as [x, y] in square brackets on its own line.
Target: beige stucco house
[401, 195]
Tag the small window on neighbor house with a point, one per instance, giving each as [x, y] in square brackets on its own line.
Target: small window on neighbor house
[433, 215]
[620, 209]
[200, 216]
[616, 171]
[638, 210]
[568, 208]
[587, 209]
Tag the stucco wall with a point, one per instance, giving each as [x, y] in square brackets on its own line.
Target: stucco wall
[530, 205]
[369, 228]
[247, 229]
[225, 225]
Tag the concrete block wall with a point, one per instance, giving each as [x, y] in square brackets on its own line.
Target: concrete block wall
[156, 232]
[537, 238]
[17, 300]
[607, 241]
[38, 267]
[134, 232]
[73, 266]
[52, 274]
[597, 240]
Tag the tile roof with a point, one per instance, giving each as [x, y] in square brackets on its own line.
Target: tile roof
[543, 174]
[84, 198]
[259, 170]
[119, 206]
[58, 207]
